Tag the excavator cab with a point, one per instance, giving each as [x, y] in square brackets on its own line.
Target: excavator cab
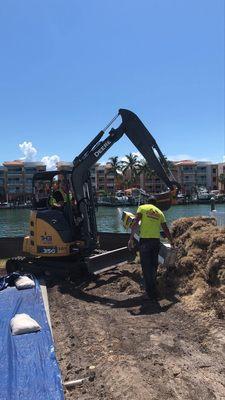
[54, 224]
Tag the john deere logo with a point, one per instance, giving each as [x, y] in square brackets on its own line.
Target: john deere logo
[46, 238]
[102, 148]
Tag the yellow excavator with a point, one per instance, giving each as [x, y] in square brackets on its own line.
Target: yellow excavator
[72, 230]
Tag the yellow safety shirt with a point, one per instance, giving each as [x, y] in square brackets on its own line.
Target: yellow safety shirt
[58, 196]
[151, 220]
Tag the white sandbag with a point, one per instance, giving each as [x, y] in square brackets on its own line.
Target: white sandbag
[24, 282]
[23, 323]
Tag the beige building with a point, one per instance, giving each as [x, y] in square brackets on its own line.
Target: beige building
[193, 175]
[2, 183]
[190, 174]
[67, 166]
[16, 180]
[104, 180]
[221, 171]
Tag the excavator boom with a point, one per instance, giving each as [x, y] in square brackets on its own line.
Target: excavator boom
[135, 130]
[138, 134]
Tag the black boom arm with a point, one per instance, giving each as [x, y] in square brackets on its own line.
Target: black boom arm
[135, 130]
[146, 144]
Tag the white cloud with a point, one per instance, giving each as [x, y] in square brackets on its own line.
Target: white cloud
[50, 161]
[179, 157]
[30, 154]
[28, 151]
[139, 156]
[223, 158]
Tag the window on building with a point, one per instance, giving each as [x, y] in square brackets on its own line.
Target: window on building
[30, 170]
[14, 170]
[188, 169]
[201, 169]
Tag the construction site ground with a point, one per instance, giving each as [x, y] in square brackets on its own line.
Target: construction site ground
[132, 348]
[140, 349]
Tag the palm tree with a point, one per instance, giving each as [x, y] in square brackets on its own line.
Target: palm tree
[145, 170]
[222, 180]
[131, 164]
[116, 170]
[169, 165]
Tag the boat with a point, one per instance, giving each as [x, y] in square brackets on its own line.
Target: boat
[4, 205]
[164, 200]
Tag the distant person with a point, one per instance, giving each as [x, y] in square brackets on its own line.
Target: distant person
[152, 219]
[58, 196]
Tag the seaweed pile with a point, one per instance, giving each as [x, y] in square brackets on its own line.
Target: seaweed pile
[199, 269]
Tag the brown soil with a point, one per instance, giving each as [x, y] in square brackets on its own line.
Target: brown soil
[199, 270]
[172, 349]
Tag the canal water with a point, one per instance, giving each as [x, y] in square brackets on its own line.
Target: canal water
[15, 222]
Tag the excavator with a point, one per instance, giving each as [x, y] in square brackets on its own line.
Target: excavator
[72, 230]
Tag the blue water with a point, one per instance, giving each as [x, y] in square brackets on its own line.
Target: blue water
[109, 219]
[15, 222]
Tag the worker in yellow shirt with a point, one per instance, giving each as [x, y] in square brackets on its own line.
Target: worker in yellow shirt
[152, 220]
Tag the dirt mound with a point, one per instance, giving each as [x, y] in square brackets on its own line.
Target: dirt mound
[125, 280]
[199, 269]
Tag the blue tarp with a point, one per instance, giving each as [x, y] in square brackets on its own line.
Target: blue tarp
[28, 366]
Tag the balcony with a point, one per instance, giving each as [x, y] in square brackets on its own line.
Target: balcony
[15, 191]
[188, 171]
[14, 175]
[30, 171]
[10, 183]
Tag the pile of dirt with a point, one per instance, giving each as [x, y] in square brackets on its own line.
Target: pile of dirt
[125, 281]
[199, 270]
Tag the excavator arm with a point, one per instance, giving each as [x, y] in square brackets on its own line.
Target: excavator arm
[135, 130]
[143, 140]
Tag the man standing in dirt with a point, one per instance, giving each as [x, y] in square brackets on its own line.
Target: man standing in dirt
[152, 219]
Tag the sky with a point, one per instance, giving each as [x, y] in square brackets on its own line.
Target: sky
[68, 66]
